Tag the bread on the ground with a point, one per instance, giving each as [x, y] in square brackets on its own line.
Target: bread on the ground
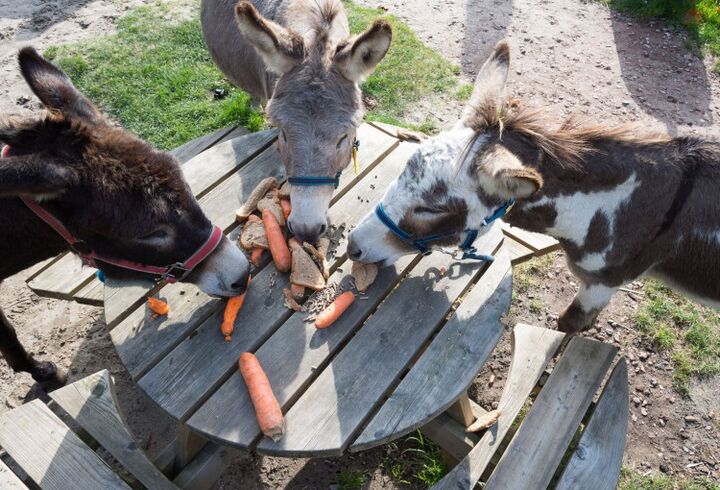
[258, 193]
[364, 275]
[253, 234]
[304, 270]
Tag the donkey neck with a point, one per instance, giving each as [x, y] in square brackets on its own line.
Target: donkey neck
[24, 238]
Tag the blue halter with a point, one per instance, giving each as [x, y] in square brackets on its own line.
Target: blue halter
[421, 244]
[316, 180]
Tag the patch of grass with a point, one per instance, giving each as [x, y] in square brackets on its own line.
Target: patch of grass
[630, 480]
[691, 333]
[415, 460]
[700, 17]
[409, 72]
[464, 92]
[156, 77]
[536, 305]
[529, 275]
[350, 480]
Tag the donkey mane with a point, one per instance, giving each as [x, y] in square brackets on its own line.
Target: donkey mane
[566, 144]
[317, 25]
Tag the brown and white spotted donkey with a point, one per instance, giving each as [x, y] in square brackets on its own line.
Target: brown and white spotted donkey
[70, 176]
[621, 203]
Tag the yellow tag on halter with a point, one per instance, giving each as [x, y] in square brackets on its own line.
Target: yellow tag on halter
[355, 162]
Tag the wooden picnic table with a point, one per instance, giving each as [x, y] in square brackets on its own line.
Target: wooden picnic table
[402, 354]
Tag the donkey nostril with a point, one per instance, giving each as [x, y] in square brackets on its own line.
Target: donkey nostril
[290, 228]
[354, 251]
[236, 285]
[323, 228]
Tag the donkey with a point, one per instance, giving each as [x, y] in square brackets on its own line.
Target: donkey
[298, 56]
[621, 203]
[72, 181]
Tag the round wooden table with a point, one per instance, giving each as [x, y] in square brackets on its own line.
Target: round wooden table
[401, 355]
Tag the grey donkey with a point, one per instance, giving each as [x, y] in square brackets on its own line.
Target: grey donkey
[299, 57]
[622, 203]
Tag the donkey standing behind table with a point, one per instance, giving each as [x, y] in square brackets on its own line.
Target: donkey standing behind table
[299, 56]
[621, 204]
[114, 195]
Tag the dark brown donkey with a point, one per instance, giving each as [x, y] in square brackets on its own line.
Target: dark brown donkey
[622, 203]
[299, 56]
[123, 201]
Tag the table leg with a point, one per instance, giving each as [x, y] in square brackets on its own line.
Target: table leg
[462, 410]
[188, 444]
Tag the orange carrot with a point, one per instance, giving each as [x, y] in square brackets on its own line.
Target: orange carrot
[231, 312]
[256, 256]
[276, 241]
[297, 290]
[286, 207]
[330, 314]
[158, 306]
[267, 409]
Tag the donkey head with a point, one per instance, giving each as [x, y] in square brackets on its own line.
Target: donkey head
[112, 191]
[456, 180]
[316, 104]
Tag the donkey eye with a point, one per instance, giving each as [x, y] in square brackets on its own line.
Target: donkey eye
[423, 209]
[341, 141]
[157, 235]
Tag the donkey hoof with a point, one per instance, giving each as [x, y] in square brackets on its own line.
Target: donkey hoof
[49, 375]
[574, 320]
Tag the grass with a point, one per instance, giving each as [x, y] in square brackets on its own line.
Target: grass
[701, 18]
[689, 332]
[630, 480]
[350, 480]
[415, 461]
[156, 77]
[409, 72]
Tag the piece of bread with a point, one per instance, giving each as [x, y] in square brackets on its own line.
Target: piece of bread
[304, 270]
[258, 193]
[253, 235]
[364, 275]
[272, 203]
[285, 190]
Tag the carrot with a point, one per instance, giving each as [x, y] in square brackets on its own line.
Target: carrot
[256, 256]
[276, 241]
[286, 207]
[330, 314]
[158, 306]
[267, 409]
[297, 290]
[231, 312]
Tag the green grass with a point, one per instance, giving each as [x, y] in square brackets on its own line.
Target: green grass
[409, 72]
[350, 480]
[705, 30]
[415, 461]
[156, 77]
[630, 480]
[689, 332]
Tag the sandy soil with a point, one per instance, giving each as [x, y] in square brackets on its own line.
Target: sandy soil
[570, 55]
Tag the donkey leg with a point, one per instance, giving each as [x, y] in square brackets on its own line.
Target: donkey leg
[19, 360]
[585, 308]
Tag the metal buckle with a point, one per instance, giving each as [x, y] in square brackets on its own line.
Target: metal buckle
[171, 272]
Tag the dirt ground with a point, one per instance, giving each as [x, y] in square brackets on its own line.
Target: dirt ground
[568, 54]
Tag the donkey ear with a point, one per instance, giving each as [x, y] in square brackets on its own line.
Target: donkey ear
[53, 87]
[32, 176]
[360, 56]
[501, 173]
[490, 80]
[281, 49]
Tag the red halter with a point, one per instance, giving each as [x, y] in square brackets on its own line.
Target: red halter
[172, 273]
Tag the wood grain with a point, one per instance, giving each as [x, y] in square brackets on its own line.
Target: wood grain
[92, 403]
[539, 444]
[597, 460]
[50, 453]
[8, 479]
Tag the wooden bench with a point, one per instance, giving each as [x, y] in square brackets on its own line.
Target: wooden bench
[566, 438]
[55, 457]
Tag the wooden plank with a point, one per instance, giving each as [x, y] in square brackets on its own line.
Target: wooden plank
[535, 452]
[187, 375]
[141, 340]
[93, 404]
[450, 363]
[450, 435]
[62, 278]
[203, 471]
[188, 150]
[50, 453]
[519, 253]
[9, 480]
[188, 444]
[331, 411]
[461, 410]
[597, 460]
[540, 243]
[532, 348]
[292, 357]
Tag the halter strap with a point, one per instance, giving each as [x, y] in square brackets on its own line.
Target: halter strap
[319, 180]
[171, 273]
[467, 248]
